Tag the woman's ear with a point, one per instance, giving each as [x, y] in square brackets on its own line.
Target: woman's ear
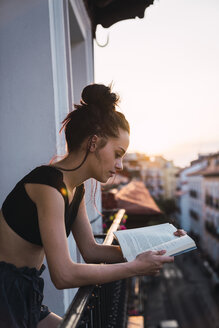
[92, 143]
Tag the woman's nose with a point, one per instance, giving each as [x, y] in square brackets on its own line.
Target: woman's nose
[119, 165]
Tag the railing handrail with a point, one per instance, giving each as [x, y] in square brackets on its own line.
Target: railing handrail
[116, 222]
[77, 307]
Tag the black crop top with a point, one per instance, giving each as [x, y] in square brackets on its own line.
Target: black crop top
[20, 211]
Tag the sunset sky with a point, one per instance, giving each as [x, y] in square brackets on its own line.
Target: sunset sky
[166, 69]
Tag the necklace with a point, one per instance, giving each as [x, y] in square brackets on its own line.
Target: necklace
[74, 169]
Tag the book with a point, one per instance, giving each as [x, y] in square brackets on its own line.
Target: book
[156, 237]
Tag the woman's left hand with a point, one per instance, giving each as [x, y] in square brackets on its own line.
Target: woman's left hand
[180, 233]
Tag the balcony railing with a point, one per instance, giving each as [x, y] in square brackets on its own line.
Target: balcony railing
[99, 306]
[212, 202]
[194, 215]
[193, 193]
[210, 227]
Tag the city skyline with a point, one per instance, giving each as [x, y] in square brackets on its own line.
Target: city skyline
[165, 67]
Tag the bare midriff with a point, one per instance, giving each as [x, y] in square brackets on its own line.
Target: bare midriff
[16, 250]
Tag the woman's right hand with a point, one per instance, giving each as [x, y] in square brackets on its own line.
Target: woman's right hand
[151, 262]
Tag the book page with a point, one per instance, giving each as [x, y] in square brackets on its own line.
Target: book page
[135, 241]
[157, 237]
[177, 246]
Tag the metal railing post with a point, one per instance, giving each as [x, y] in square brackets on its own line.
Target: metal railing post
[91, 304]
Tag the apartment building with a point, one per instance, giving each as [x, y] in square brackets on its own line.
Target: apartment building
[211, 209]
[195, 203]
[198, 202]
[158, 174]
[188, 193]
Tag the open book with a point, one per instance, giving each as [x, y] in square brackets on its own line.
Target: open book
[157, 237]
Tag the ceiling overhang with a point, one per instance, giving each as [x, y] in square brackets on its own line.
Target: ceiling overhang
[109, 12]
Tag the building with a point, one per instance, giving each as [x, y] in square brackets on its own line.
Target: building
[198, 203]
[169, 179]
[158, 174]
[185, 192]
[196, 200]
[211, 210]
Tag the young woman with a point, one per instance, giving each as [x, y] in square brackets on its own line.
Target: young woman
[48, 203]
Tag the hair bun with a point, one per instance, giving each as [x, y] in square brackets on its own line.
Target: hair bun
[99, 96]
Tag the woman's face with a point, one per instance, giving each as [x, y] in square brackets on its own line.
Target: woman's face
[110, 157]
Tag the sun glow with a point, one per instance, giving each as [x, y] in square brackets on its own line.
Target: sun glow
[147, 137]
[166, 73]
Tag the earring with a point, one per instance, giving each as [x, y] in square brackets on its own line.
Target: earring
[92, 142]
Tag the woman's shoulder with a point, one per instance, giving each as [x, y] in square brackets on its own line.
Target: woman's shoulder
[44, 174]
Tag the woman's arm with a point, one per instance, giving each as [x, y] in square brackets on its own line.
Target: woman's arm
[63, 271]
[91, 251]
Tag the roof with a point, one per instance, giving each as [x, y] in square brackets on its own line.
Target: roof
[136, 199]
[109, 12]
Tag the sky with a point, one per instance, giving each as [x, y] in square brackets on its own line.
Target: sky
[166, 69]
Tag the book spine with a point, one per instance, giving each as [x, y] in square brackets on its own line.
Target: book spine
[184, 251]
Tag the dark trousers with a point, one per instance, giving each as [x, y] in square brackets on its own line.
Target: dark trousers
[21, 295]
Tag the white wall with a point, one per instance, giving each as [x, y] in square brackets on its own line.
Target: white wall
[76, 61]
[27, 117]
[185, 219]
[211, 214]
[196, 204]
[43, 67]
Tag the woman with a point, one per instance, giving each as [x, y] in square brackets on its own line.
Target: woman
[46, 204]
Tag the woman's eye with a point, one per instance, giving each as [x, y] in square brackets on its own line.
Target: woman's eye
[118, 155]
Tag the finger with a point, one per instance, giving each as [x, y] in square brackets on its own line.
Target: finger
[180, 232]
[160, 252]
[167, 259]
